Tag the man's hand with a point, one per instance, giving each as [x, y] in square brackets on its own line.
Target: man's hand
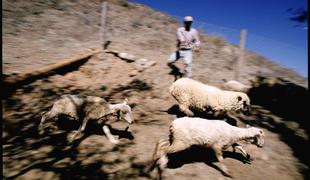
[196, 49]
[183, 44]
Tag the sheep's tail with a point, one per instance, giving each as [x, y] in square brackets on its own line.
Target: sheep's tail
[160, 150]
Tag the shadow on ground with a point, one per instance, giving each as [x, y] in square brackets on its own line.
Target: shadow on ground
[24, 79]
[175, 71]
[27, 154]
[277, 107]
[136, 85]
[200, 154]
[287, 103]
[59, 156]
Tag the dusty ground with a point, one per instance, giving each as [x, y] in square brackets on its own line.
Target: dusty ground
[26, 155]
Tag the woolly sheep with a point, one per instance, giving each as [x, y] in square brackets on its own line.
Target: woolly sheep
[193, 94]
[85, 108]
[215, 134]
[235, 86]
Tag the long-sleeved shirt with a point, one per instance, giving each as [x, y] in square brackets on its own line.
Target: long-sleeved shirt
[190, 38]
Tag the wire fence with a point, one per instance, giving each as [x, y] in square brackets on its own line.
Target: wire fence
[285, 54]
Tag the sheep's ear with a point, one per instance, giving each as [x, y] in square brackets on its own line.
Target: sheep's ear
[125, 101]
[239, 98]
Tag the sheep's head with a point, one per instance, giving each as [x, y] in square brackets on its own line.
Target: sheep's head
[256, 136]
[47, 128]
[47, 125]
[243, 103]
[125, 112]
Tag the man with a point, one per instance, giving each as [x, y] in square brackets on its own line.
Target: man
[188, 40]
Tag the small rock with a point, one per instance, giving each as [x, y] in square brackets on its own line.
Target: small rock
[133, 73]
[140, 69]
[122, 55]
[127, 56]
[152, 63]
[145, 62]
[131, 57]
[142, 61]
[142, 64]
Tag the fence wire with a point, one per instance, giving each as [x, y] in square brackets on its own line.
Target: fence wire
[285, 54]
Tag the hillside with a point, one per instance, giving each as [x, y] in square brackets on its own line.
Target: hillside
[37, 30]
[38, 33]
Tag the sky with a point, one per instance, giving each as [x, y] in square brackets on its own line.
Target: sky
[270, 32]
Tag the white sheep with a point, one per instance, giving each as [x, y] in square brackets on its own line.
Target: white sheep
[83, 109]
[196, 95]
[215, 134]
[235, 86]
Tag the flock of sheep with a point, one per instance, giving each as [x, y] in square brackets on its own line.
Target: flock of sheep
[184, 132]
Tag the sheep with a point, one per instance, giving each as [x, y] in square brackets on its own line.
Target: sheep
[235, 86]
[215, 134]
[83, 109]
[196, 95]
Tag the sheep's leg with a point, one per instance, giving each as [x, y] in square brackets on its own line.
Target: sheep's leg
[160, 159]
[44, 117]
[81, 129]
[107, 132]
[219, 156]
[47, 115]
[186, 110]
[159, 149]
[160, 173]
[243, 152]
[176, 146]
[158, 152]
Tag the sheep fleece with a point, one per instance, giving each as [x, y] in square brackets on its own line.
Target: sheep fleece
[198, 131]
[203, 97]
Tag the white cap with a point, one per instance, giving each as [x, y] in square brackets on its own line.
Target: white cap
[188, 18]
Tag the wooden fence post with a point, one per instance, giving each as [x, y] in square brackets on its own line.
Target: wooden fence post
[103, 20]
[239, 62]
